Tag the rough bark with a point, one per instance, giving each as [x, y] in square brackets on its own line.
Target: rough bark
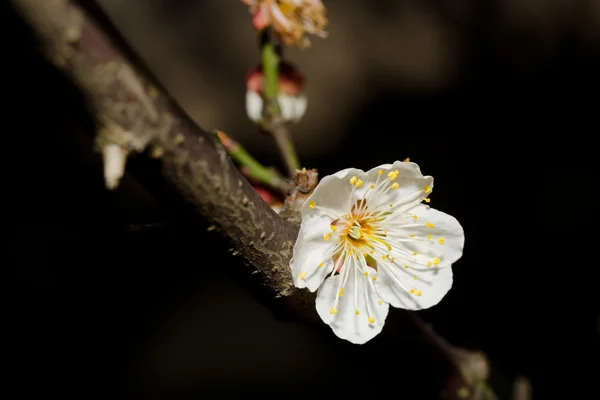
[134, 112]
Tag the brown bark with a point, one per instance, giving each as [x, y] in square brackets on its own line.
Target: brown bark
[134, 112]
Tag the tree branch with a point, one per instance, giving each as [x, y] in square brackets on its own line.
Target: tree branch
[134, 112]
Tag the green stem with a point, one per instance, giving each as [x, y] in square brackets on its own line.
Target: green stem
[270, 63]
[272, 113]
[252, 168]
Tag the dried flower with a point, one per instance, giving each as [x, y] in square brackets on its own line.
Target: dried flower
[291, 20]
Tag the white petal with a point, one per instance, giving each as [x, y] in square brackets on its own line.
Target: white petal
[254, 105]
[443, 228]
[286, 105]
[300, 106]
[346, 324]
[394, 286]
[411, 183]
[310, 250]
[292, 107]
[333, 193]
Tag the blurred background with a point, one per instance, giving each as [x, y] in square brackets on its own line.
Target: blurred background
[497, 99]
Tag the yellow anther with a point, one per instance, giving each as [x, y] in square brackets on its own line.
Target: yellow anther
[333, 311]
[395, 185]
[302, 275]
[430, 225]
[412, 290]
[342, 289]
[415, 217]
[385, 256]
[366, 273]
[427, 189]
[371, 320]
[374, 278]
[365, 254]
[441, 240]
[429, 264]
[415, 253]
[427, 200]
[412, 235]
[391, 205]
[436, 261]
[359, 183]
[311, 204]
[340, 293]
[333, 227]
[380, 302]
[372, 186]
[326, 236]
[429, 237]
[393, 175]
[379, 172]
[418, 293]
[406, 266]
[321, 265]
[371, 251]
[357, 312]
[353, 180]
[393, 259]
[414, 278]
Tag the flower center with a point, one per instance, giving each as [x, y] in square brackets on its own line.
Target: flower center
[355, 232]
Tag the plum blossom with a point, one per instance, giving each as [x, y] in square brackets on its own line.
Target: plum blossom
[369, 240]
[290, 20]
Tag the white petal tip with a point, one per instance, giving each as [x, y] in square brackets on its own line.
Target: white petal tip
[293, 107]
[254, 105]
[114, 165]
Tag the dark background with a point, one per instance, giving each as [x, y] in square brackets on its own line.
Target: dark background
[508, 134]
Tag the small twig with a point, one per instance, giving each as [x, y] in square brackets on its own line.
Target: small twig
[472, 367]
[250, 166]
[272, 119]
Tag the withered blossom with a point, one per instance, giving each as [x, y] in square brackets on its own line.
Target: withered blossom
[291, 20]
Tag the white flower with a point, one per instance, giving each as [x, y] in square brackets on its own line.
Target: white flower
[366, 241]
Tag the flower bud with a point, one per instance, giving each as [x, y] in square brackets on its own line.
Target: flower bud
[292, 101]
